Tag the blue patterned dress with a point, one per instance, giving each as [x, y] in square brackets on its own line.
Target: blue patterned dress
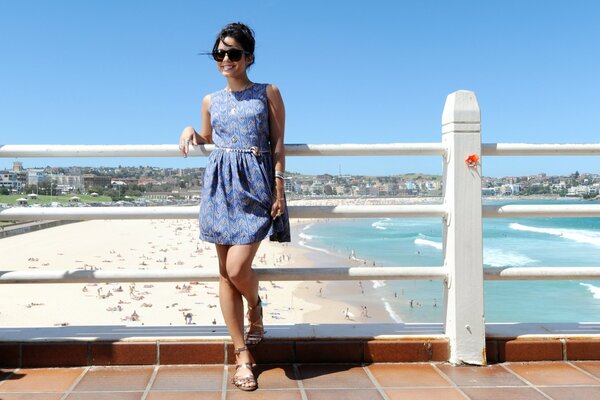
[239, 185]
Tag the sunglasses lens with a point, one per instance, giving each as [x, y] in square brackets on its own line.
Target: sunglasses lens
[219, 55]
[233, 54]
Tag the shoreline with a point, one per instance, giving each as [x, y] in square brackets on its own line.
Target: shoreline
[344, 301]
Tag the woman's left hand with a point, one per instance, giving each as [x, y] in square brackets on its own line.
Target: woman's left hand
[278, 208]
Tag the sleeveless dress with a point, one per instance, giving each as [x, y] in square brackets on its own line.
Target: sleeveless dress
[239, 184]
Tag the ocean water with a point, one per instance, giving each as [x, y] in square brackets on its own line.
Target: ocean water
[522, 242]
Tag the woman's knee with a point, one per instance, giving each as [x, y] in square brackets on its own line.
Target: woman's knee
[235, 264]
[238, 274]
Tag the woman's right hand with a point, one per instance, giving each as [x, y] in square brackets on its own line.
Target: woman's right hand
[188, 135]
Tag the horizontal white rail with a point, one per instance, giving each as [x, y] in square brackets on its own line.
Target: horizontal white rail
[172, 150]
[541, 273]
[184, 275]
[86, 150]
[296, 274]
[528, 149]
[541, 210]
[92, 213]
[363, 211]
[191, 212]
[369, 211]
[385, 149]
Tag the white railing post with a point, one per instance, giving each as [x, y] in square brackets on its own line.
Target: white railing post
[463, 242]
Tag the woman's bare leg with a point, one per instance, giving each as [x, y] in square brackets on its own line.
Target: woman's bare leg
[237, 279]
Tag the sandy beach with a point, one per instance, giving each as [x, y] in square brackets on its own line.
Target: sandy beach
[147, 245]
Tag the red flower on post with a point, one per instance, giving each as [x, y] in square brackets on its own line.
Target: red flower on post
[472, 160]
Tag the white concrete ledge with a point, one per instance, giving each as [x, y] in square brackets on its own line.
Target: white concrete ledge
[219, 332]
[496, 330]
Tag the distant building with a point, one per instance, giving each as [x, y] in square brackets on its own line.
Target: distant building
[433, 185]
[390, 189]
[129, 181]
[91, 181]
[146, 180]
[36, 176]
[580, 190]
[10, 181]
[158, 195]
[21, 174]
[68, 183]
[510, 190]
[288, 185]
[17, 166]
[316, 187]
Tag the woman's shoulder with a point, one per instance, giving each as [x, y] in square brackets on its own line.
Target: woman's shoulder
[272, 91]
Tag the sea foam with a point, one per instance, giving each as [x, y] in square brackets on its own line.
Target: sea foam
[319, 249]
[391, 312]
[305, 236]
[430, 243]
[595, 290]
[505, 258]
[307, 226]
[576, 235]
[381, 224]
[491, 257]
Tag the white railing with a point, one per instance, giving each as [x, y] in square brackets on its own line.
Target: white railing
[461, 212]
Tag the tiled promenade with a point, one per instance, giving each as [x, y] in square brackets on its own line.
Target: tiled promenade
[406, 381]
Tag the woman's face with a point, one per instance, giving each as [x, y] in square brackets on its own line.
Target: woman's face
[228, 67]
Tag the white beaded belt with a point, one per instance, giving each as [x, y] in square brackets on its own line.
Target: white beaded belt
[254, 150]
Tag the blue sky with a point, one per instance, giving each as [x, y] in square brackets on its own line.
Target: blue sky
[127, 72]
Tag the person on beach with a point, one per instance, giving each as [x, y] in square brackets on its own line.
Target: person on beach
[243, 199]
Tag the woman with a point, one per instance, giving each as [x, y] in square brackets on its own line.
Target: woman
[243, 198]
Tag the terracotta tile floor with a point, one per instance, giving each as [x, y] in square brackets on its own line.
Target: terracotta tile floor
[537, 380]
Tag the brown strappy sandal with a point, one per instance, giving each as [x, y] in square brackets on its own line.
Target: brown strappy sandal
[245, 382]
[256, 331]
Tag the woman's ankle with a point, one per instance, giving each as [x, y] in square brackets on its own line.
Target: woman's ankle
[243, 355]
[257, 303]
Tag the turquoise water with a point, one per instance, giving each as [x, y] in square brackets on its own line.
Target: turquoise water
[523, 242]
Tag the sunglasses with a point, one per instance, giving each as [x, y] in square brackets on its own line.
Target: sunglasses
[232, 54]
